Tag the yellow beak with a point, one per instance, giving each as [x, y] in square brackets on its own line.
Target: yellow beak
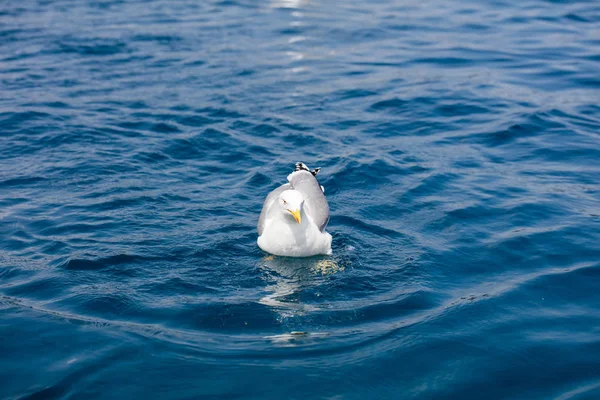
[296, 214]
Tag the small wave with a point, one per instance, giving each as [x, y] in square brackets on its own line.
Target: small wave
[93, 47]
[84, 264]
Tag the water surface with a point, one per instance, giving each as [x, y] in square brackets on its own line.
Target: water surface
[460, 153]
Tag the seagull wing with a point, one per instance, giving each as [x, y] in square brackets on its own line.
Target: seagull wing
[315, 203]
[269, 201]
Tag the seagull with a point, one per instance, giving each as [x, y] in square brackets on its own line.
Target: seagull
[294, 216]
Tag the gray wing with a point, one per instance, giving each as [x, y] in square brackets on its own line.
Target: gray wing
[271, 198]
[315, 203]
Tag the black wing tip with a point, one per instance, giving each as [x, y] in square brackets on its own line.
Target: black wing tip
[300, 166]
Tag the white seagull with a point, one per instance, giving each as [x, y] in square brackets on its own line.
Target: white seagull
[294, 216]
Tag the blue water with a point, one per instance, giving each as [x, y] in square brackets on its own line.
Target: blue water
[460, 152]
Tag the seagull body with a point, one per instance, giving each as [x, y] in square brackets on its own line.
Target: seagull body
[294, 217]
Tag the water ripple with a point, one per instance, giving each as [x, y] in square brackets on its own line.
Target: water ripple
[459, 153]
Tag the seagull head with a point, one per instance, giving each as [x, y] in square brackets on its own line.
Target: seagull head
[291, 201]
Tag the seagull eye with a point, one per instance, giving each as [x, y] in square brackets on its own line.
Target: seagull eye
[284, 202]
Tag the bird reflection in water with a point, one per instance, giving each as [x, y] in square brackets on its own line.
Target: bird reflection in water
[291, 276]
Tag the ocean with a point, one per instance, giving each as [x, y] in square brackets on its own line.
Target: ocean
[460, 151]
